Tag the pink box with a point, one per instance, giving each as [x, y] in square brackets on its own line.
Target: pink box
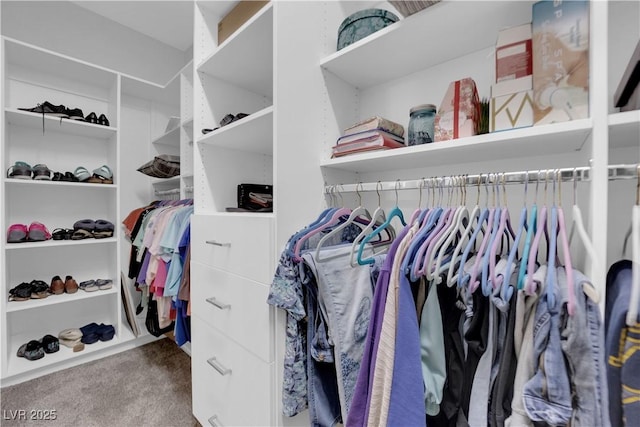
[459, 111]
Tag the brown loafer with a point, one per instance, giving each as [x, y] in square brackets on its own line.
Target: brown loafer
[70, 285]
[57, 285]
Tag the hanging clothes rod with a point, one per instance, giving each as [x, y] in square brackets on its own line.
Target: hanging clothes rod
[565, 174]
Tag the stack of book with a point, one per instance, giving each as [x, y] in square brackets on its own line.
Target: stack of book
[376, 133]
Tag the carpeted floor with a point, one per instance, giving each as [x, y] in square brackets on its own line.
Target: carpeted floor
[146, 386]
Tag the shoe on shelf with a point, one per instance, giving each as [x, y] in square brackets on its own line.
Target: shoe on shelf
[103, 229]
[90, 333]
[88, 286]
[38, 232]
[62, 234]
[102, 175]
[82, 174]
[50, 344]
[104, 284]
[22, 292]
[57, 176]
[41, 173]
[70, 338]
[70, 285]
[92, 118]
[19, 170]
[102, 120]
[105, 332]
[31, 351]
[48, 108]
[39, 289]
[17, 233]
[57, 286]
[75, 114]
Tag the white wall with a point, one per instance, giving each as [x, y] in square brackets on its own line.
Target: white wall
[69, 29]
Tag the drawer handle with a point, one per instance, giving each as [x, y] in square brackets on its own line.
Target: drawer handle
[214, 243]
[218, 367]
[214, 301]
[215, 422]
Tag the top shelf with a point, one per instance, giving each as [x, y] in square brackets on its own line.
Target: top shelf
[421, 40]
[73, 127]
[246, 58]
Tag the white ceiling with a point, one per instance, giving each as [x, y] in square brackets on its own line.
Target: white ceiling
[170, 22]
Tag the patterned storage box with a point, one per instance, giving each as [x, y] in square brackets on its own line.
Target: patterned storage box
[363, 23]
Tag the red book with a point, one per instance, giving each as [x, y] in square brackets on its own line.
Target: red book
[375, 142]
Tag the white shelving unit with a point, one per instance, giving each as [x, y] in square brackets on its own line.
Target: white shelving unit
[32, 75]
[236, 76]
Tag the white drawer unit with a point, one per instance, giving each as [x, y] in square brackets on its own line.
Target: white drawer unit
[239, 244]
[234, 305]
[231, 387]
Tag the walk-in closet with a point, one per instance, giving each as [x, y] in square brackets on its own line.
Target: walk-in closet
[292, 213]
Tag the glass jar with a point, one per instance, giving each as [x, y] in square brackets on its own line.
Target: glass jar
[421, 124]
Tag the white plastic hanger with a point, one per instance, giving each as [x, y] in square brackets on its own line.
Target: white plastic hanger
[578, 224]
[378, 216]
[359, 212]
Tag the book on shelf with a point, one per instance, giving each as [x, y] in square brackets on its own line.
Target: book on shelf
[368, 134]
[375, 142]
[376, 122]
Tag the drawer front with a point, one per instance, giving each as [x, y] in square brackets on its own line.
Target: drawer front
[242, 245]
[230, 386]
[234, 305]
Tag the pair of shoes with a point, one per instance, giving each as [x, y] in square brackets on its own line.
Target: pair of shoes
[87, 228]
[93, 332]
[36, 289]
[101, 175]
[62, 234]
[67, 176]
[34, 349]
[36, 232]
[94, 285]
[56, 110]
[229, 118]
[93, 118]
[59, 287]
[72, 338]
[22, 170]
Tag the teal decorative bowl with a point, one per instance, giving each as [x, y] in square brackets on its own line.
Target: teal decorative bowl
[363, 23]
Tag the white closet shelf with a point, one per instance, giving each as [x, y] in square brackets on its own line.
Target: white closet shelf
[73, 127]
[246, 58]
[20, 365]
[244, 214]
[253, 133]
[171, 138]
[24, 55]
[421, 40]
[14, 306]
[11, 181]
[57, 243]
[519, 143]
[624, 129]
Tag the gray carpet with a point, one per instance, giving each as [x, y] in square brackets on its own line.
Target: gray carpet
[147, 386]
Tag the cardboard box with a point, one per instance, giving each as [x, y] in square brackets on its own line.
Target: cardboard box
[511, 104]
[459, 111]
[236, 17]
[513, 53]
[627, 95]
[560, 60]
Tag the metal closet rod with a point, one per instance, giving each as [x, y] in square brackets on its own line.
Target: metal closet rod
[565, 174]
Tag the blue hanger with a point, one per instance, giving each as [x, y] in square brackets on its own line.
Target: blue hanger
[395, 212]
[324, 216]
[463, 278]
[421, 235]
[506, 290]
[484, 275]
